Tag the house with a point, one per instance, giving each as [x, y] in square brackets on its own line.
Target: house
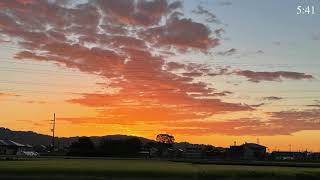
[40, 149]
[8, 147]
[314, 156]
[217, 153]
[247, 151]
[289, 155]
[194, 151]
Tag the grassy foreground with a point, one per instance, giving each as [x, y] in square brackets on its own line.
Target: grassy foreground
[143, 169]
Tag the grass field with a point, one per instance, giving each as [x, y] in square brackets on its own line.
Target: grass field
[142, 169]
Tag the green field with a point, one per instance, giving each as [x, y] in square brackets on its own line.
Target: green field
[143, 169]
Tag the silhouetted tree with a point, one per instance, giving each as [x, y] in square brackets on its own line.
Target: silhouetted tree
[165, 138]
[133, 145]
[165, 141]
[127, 147]
[83, 147]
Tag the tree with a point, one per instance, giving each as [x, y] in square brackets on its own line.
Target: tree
[121, 147]
[165, 142]
[133, 145]
[84, 143]
[165, 139]
[83, 147]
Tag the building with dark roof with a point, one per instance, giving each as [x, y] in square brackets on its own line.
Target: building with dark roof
[194, 151]
[8, 147]
[248, 151]
[289, 155]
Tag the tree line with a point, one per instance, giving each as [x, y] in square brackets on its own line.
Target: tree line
[120, 147]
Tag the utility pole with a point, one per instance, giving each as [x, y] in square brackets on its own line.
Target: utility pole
[53, 129]
[290, 147]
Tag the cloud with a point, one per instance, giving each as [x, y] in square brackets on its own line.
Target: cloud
[202, 128]
[95, 120]
[193, 74]
[174, 34]
[210, 17]
[256, 76]
[260, 52]
[36, 102]
[221, 71]
[315, 105]
[118, 40]
[223, 93]
[219, 32]
[32, 122]
[272, 98]
[272, 76]
[257, 105]
[229, 52]
[16, 4]
[170, 105]
[8, 95]
[287, 122]
[142, 13]
[278, 123]
[170, 66]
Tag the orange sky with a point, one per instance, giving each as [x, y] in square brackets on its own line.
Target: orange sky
[119, 67]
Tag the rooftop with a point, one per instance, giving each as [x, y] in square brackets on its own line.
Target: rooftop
[253, 145]
[10, 143]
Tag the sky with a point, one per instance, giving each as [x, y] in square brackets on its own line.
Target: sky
[211, 72]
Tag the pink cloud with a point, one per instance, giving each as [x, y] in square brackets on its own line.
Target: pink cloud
[272, 76]
[118, 40]
[145, 86]
[142, 13]
[279, 123]
[174, 34]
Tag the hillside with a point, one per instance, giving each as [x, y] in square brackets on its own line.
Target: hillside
[33, 138]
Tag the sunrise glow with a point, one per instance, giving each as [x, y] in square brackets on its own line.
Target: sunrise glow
[210, 72]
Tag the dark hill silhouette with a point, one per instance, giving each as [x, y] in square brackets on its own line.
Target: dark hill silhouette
[32, 138]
